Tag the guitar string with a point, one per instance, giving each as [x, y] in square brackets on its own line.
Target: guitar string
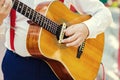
[51, 26]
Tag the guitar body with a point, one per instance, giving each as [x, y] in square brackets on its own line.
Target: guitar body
[61, 59]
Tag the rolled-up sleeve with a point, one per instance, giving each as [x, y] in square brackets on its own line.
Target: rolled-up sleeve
[101, 16]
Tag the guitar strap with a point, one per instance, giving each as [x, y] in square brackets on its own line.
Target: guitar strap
[62, 1]
[12, 28]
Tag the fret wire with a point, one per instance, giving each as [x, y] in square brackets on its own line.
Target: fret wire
[54, 28]
[53, 25]
[49, 24]
[18, 6]
[36, 17]
[58, 27]
[45, 26]
[41, 21]
[43, 18]
[22, 8]
[32, 15]
[50, 28]
[15, 5]
[45, 21]
[35, 14]
[29, 12]
[26, 10]
[37, 20]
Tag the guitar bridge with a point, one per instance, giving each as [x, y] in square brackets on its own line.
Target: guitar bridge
[80, 50]
[61, 36]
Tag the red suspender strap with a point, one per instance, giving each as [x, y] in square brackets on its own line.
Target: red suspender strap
[12, 28]
[61, 0]
[71, 6]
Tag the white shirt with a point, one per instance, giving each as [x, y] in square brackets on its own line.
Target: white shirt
[101, 19]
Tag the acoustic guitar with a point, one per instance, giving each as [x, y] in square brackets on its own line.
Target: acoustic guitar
[44, 41]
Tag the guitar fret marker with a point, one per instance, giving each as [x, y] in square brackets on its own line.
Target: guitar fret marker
[35, 16]
[31, 15]
[22, 8]
[26, 11]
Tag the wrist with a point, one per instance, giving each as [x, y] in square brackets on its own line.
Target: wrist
[86, 29]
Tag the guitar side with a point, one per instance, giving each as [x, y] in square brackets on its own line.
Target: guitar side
[46, 45]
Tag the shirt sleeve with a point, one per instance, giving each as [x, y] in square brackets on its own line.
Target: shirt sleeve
[101, 16]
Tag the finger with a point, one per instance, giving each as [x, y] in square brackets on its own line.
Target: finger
[70, 39]
[7, 5]
[69, 31]
[75, 43]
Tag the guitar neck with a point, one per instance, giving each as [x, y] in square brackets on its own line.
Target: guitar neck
[36, 17]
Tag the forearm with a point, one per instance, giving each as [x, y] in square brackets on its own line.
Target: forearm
[98, 22]
[101, 16]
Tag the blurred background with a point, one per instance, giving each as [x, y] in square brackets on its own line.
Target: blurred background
[111, 54]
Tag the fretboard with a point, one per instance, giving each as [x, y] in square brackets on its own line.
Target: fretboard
[36, 17]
